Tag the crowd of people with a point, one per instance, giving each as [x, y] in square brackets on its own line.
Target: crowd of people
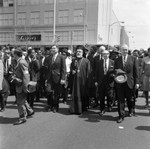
[96, 75]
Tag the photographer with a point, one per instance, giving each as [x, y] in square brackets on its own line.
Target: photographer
[21, 78]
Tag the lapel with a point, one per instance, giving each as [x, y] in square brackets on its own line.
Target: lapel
[102, 65]
[128, 59]
[109, 64]
[121, 61]
[55, 61]
[18, 63]
[56, 58]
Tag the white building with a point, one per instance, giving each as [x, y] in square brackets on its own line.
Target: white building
[30, 22]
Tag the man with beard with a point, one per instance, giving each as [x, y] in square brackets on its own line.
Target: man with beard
[80, 70]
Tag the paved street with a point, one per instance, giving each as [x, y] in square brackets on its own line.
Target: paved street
[47, 130]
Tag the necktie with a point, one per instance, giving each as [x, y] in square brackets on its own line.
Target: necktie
[6, 66]
[124, 61]
[53, 59]
[105, 67]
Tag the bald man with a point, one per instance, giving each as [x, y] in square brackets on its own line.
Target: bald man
[97, 58]
[125, 90]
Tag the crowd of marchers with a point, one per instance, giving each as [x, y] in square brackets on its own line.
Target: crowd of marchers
[95, 77]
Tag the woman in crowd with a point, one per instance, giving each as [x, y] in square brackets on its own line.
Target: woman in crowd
[146, 76]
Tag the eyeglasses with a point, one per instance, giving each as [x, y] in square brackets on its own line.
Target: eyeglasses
[7, 53]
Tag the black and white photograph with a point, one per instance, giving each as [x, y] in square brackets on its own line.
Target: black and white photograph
[74, 74]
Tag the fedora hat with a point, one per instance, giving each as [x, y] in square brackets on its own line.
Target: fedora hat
[120, 76]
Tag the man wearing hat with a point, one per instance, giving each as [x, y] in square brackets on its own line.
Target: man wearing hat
[21, 78]
[79, 79]
[124, 89]
[104, 80]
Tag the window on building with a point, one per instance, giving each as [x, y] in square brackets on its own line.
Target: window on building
[48, 36]
[10, 19]
[48, 1]
[21, 2]
[48, 17]
[11, 3]
[63, 1]
[78, 35]
[78, 0]
[35, 2]
[21, 18]
[6, 37]
[78, 15]
[63, 17]
[6, 19]
[8, 3]
[64, 36]
[35, 18]
[1, 3]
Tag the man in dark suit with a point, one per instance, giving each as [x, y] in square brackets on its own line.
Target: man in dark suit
[128, 64]
[104, 81]
[97, 58]
[55, 77]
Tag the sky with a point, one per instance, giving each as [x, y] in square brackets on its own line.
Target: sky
[136, 15]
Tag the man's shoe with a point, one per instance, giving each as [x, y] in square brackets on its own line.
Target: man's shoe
[55, 110]
[48, 110]
[109, 109]
[95, 106]
[21, 121]
[146, 106]
[30, 114]
[120, 119]
[130, 114]
[101, 113]
[134, 112]
[2, 110]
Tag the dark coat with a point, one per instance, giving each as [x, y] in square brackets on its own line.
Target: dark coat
[34, 68]
[57, 70]
[99, 73]
[131, 69]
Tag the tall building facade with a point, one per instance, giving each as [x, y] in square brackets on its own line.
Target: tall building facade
[31, 22]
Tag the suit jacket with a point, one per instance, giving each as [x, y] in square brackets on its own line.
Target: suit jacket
[131, 69]
[97, 58]
[55, 71]
[99, 73]
[34, 68]
[22, 73]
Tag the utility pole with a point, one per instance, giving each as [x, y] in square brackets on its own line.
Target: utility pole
[54, 23]
[15, 21]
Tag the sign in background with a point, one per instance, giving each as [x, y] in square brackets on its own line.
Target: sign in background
[23, 38]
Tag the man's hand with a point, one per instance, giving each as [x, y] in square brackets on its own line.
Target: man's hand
[45, 82]
[96, 84]
[62, 82]
[137, 86]
[73, 71]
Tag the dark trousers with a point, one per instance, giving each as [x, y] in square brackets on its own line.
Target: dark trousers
[105, 91]
[31, 98]
[53, 96]
[64, 93]
[2, 102]
[124, 92]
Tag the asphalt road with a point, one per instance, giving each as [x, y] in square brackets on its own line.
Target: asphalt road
[48, 130]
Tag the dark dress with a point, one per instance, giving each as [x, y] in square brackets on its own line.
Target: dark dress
[81, 67]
